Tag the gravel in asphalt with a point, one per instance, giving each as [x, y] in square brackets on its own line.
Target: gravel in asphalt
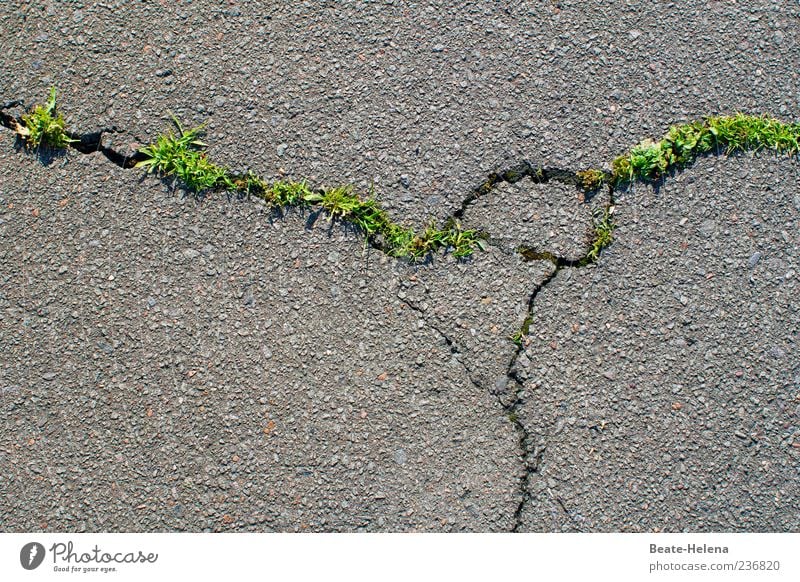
[169, 364]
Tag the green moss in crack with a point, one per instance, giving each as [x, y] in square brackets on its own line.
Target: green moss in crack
[602, 233]
[45, 126]
[590, 180]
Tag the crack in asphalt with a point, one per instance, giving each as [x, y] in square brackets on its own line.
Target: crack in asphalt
[510, 397]
[85, 143]
[529, 462]
[515, 173]
[89, 143]
[531, 456]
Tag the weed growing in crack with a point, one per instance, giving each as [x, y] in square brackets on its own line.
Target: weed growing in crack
[286, 193]
[404, 242]
[398, 241]
[45, 126]
[339, 202]
[590, 180]
[279, 194]
[520, 337]
[685, 142]
[602, 233]
[743, 132]
[182, 155]
[369, 217]
[649, 160]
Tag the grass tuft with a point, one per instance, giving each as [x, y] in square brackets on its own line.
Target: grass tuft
[45, 126]
[285, 194]
[182, 155]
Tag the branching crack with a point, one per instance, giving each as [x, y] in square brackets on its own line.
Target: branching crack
[530, 460]
[182, 156]
[648, 162]
[90, 143]
[533, 454]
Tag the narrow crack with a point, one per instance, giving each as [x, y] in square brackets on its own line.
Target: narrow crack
[532, 455]
[451, 344]
[568, 513]
[515, 173]
[530, 462]
[532, 458]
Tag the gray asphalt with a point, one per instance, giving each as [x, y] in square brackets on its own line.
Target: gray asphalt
[174, 364]
[662, 386]
[171, 366]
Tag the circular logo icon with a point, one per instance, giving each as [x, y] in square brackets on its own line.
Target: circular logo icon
[31, 555]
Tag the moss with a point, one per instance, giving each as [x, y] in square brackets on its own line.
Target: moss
[590, 180]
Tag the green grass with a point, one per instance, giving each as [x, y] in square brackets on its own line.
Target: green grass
[521, 336]
[44, 126]
[650, 161]
[182, 154]
[286, 193]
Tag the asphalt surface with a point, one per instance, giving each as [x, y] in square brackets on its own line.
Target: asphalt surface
[168, 363]
[162, 370]
[662, 386]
